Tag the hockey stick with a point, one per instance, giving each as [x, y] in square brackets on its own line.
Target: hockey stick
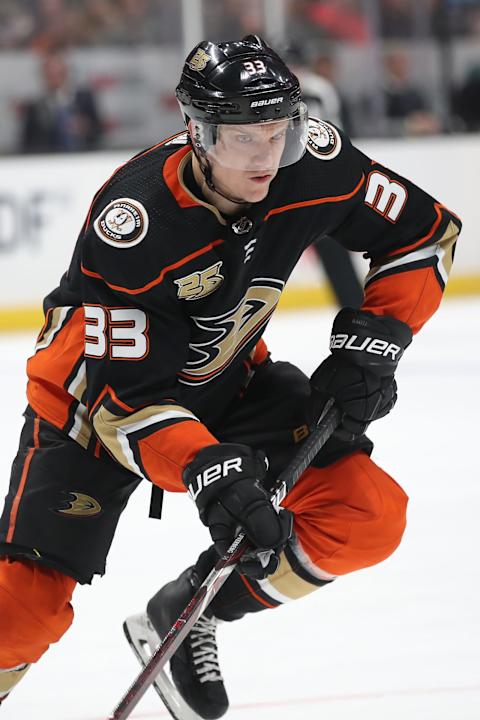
[224, 567]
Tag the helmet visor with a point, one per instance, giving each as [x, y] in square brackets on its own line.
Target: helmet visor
[254, 147]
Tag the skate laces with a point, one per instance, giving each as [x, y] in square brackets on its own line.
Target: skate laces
[204, 650]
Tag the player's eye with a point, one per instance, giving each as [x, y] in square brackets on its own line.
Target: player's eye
[243, 139]
[278, 136]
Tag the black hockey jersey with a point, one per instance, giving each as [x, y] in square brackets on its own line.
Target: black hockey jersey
[156, 325]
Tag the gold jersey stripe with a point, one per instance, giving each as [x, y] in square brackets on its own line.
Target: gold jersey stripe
[113, 430]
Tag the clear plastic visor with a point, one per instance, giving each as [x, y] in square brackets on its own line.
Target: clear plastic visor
[253, 147]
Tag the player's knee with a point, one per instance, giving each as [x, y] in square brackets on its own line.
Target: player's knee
[376, 531]
[383, 506]
[349, 515]
[386, 518]
[35, 610]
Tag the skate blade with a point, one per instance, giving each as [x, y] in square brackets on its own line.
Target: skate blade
[144, 640]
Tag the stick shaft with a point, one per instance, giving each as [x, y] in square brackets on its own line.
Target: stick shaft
[223, 568]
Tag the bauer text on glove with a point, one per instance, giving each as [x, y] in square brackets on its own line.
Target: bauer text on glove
[359, 373]
[225, 482]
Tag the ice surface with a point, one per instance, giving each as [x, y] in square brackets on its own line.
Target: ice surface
[398, 640]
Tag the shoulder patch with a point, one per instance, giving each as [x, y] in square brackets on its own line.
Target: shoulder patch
[324, 140]
[123, 223]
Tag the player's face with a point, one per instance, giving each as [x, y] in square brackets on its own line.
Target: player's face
[246, 158]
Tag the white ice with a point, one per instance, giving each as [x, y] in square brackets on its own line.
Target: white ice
[398, 640]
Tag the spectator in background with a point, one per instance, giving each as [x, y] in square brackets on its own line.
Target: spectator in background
[148, 22]
[318, 92]
[17, 24]
[396, 18]
[406, 108]
[55, 25]
[474, 21]
[65, 117]
[341, 20]
[237, 18]
[466, 101]
[130, 22]
[463, 16]
[324, 67]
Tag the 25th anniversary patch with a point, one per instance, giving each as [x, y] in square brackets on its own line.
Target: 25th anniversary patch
[324, 140]
[123, 223]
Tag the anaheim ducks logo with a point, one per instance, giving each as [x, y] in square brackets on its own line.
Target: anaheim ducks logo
[199, 61]
[80, 506]
[224, 336]
[323, 141]
[122, 224]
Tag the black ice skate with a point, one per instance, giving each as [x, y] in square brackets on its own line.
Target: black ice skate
[198, 691]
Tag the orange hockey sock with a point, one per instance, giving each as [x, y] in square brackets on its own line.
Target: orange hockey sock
[35, 610]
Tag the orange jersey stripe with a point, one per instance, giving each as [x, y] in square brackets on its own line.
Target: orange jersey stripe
[423, 239]
[157, 280]
[23, 480]
[317, 201]
[49, 368]
[98, 400]
[438, 209]
[166, 452]
[162, 142]
[260, 352]
[411, 296]
[107, 390]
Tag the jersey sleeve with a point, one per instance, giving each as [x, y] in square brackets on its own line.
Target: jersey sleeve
[409, 239]
[136, 341]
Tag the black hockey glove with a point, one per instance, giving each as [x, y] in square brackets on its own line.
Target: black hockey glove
[359, 373]
[225, 483]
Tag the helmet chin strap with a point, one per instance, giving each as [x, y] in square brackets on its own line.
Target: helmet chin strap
[206, 169]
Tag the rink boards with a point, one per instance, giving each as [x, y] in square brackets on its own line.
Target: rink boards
[44, 201]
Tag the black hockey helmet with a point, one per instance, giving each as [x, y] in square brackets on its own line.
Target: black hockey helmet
[236, 83]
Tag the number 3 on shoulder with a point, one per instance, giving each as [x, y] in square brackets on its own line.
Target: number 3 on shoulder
[386, 196]
[120, 332]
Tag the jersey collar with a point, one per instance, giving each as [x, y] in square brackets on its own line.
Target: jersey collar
[173, 173]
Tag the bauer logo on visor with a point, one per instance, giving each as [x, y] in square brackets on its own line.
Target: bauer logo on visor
[123, 223]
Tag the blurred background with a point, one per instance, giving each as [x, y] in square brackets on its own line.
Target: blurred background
[84, 84]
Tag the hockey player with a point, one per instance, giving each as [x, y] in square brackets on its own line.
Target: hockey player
[151, 364]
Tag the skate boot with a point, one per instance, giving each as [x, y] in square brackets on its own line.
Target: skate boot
[198, 691]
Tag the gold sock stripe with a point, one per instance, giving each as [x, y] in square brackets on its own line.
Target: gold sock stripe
[9, 678]
[284, 584]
